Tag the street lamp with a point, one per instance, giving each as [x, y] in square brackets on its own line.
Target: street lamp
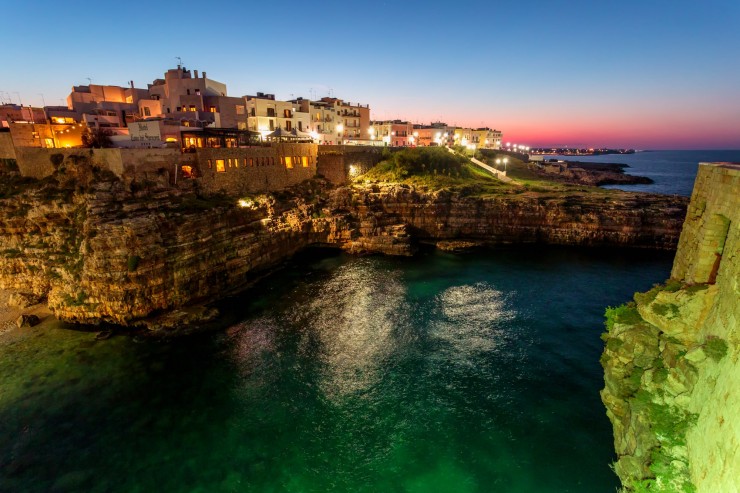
[340, 129]
[506, 160]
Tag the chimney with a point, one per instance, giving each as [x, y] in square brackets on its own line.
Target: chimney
[204, 74]
[196, 73]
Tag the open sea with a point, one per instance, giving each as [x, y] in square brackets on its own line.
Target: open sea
[672, 171]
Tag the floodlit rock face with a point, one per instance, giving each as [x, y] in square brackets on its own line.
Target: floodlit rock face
[133, 254]
[672, 358]
[578, 218]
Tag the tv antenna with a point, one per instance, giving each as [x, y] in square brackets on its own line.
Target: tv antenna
[179, 61]
[89, 80]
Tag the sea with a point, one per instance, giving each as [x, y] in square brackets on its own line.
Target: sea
[673, 172]
[474, 372]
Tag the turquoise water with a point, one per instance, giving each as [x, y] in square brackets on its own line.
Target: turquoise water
[440, 373]
[673, 172]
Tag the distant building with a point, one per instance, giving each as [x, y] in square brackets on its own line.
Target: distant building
[266, 114]
[193, 101]
[396, 133]
[11, 113]
[354, 118]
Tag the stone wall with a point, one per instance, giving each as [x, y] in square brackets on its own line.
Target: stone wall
[340, 163]
[7, 149]
[713, 202]
[37, 162]
[255, 169]
[672, 358]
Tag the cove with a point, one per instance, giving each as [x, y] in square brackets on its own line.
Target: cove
[476, 372]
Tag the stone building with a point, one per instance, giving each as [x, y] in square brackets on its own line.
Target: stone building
[253, 169]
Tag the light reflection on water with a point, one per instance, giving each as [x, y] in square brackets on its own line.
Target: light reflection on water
[472, 321]
[437, 373]
[361, 319]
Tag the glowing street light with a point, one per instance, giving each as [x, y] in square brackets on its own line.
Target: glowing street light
[340, 129]
[506, 160]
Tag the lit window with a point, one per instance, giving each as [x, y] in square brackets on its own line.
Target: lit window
[229, 162]
[251, 162]
[305, 161]
[245, 162]
[220, 166]
[210, 164]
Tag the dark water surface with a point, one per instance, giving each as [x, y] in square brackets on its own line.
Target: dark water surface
[672, 171]
[440, 373]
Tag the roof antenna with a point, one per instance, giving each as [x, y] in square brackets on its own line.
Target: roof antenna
[89, 80]
[179, 61]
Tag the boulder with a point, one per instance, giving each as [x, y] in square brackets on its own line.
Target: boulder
[23, 300]
[27, 321]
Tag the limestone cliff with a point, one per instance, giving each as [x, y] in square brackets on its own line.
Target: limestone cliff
[563, 218]
[128, 253]
[672, 357]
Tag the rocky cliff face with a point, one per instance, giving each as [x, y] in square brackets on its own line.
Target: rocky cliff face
[577, 218]
[672, 357]
[103, 251]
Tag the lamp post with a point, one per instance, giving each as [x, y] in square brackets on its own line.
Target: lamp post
[506, 160]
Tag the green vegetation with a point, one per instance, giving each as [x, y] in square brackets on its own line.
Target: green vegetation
[79, 300]
[670, 427]
[437, 168]
[623, 314]
[666, 309]
[695, 288]
[133, 263]
[421, 161]
[715, 348]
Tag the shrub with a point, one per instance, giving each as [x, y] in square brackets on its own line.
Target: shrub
[133, 263]
[623, 314]
[715, 348]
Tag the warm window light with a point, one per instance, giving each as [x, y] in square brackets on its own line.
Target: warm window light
[245, 203]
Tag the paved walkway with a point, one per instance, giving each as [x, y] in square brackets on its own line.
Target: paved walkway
[501, 175]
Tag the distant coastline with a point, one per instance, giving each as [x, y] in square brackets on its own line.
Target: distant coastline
[573, 151]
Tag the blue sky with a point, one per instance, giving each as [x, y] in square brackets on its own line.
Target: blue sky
[649, 74]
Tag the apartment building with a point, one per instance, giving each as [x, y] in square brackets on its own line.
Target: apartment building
[193, 100]
[265, 114]
[353, 118]
[396, 133]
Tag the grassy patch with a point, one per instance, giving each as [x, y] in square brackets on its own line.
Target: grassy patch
[623, 314]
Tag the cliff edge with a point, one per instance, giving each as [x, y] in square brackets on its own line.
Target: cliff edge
[672, 356]
[143, 253]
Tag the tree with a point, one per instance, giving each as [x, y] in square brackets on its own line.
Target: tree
[97, 138]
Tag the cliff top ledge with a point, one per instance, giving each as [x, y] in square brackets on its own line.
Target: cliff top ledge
[733, 166]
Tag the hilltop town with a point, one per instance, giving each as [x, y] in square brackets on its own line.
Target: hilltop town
[187, 124]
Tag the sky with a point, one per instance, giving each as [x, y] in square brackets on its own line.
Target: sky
[647, 74]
